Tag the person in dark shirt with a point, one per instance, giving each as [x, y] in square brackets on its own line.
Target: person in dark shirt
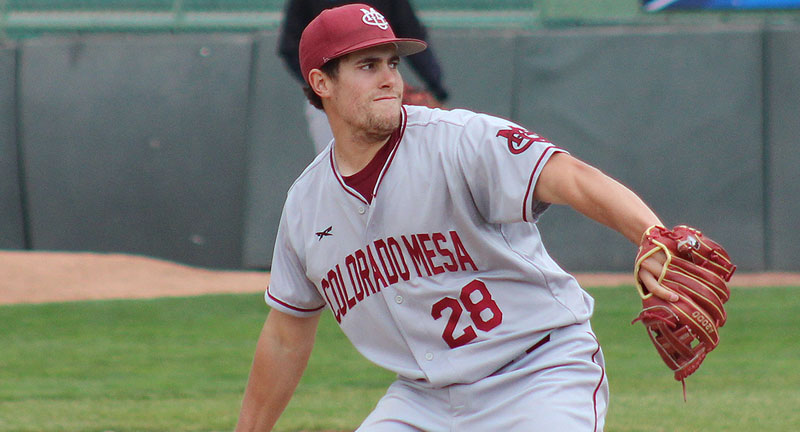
[400, 15]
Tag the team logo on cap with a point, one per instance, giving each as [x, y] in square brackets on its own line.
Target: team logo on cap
[519, 139]
[374, 18]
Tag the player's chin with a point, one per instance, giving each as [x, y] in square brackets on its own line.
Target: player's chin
[383, 123]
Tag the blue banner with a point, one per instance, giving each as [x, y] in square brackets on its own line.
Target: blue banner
[656, 5]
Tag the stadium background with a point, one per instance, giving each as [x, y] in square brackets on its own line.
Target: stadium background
[171, 129]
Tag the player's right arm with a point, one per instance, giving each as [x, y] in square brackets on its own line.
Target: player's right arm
[567, 180]
[281, 356]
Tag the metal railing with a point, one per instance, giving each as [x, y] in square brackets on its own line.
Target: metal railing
[19, 18]
[174, 15]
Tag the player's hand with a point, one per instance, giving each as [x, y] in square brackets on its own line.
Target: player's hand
[648, 274]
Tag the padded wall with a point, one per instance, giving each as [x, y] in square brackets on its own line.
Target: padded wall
[279, 149]
[673, 113]
[478, 68]
[783, 130]
[183, 146]
[137, 144]
[11, 216]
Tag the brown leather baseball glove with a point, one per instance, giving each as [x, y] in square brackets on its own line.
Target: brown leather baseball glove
[413, 95]
[697, 270]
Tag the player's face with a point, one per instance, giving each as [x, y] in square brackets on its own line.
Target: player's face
[368, 90]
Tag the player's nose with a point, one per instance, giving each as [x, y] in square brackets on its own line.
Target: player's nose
[389, 76]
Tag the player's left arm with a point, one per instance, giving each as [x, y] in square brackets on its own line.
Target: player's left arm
[567, 180]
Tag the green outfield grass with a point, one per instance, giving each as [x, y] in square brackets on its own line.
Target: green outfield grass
[180, 364]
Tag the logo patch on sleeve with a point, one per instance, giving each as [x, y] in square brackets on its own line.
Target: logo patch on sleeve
[520, 139]
[324, 233]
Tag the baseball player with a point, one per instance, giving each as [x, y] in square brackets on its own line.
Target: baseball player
[416, 228]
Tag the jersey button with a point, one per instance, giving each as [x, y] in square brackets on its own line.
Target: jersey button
[362, 210]
[398, 299]
[429, 356]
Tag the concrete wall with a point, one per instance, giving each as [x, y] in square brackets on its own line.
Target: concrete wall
[183, 146]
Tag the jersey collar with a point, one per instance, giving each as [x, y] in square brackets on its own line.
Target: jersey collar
[396, 138]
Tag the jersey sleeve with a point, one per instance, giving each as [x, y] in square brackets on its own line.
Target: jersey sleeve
[289, 289]
[501, 163]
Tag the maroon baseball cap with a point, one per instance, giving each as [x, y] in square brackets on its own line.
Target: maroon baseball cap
[345, 29]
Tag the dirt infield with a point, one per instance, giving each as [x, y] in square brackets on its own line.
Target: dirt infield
[39, 277]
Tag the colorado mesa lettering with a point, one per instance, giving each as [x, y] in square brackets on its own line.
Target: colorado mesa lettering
[384, 263]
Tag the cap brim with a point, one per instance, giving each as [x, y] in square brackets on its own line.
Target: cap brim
[405, 46]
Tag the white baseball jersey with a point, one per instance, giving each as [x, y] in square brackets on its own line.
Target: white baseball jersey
[442, 276]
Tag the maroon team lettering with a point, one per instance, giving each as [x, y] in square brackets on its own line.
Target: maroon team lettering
[474, 307]
[387, 261]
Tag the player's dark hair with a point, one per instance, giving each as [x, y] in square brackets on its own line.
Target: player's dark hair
[331, 68]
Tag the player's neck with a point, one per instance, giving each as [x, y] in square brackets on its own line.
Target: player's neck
[354, 149]
[353, 155]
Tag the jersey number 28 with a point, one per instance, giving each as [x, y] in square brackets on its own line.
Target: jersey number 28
[477, 313]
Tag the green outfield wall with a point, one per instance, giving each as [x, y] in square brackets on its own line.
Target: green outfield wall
[182, 146]
[676, 114]
[12, 229]
[780, 144]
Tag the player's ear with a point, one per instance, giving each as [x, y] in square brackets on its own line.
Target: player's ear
[319, 82]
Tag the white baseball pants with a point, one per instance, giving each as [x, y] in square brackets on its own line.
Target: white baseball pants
[559, 386]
